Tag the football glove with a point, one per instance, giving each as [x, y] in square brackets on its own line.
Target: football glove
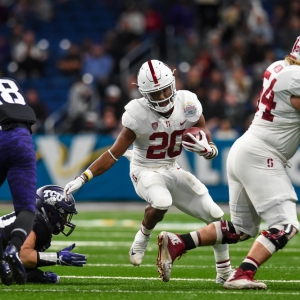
[50, 277]
[74, 185]
[67, 258]
[201, 147]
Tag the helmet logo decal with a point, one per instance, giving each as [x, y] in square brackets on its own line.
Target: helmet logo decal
[51, 197]
[154, 76]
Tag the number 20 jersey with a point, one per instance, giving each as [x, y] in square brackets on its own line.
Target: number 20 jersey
[276, 121]
[158, 139]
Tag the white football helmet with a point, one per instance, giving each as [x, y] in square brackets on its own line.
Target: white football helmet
[295, 54]
[155, 76]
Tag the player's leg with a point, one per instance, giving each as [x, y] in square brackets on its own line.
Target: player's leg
[281, 219]
[5, 271]
[191, 196]
[273, 200]
[149, 186]
[22, 182]
[244, 224]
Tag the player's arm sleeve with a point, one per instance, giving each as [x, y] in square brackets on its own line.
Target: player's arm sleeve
[43, 232]
[130, 122]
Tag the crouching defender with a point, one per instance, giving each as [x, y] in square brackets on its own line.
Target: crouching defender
[259, 186]
[53, 216]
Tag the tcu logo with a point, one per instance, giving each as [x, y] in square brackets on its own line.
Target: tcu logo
[52, 196]
[270, 162]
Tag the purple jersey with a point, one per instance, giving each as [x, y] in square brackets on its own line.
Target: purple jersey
[17, 159]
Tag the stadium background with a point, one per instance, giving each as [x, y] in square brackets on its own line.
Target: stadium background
[218, 47]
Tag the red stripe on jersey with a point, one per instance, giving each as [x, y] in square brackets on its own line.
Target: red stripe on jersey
[152, 72]
[267, 74]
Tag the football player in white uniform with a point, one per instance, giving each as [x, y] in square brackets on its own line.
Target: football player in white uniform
[259, 186]
[154, 125]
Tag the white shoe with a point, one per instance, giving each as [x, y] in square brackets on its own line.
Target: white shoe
[138, 247]
[223, 276]
[243, 280]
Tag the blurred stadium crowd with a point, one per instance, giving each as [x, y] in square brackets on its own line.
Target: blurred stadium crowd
[76, 59]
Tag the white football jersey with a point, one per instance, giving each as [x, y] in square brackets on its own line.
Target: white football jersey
[158, 139]
[276, 121]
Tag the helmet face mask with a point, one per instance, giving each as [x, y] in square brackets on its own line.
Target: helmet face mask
[58, 211]
[156, 82]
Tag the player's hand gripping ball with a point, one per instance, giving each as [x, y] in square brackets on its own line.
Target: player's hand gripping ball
[194, 140]
[195, 131]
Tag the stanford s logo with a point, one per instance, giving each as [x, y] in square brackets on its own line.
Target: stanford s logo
[134, 178]
[270, 162]
[155, 125]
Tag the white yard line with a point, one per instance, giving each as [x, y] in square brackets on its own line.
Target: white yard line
[57, 244]
[120, 291]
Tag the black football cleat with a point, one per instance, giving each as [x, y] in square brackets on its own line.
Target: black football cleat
[11, 256]
[5, 273]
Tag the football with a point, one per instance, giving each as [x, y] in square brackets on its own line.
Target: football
[195, 131]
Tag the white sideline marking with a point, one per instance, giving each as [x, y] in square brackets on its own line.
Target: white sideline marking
[173, 279]
[118, 290]
[172, 226]
[67, 290]
[58, 244]
[180, 266]
[136, 224]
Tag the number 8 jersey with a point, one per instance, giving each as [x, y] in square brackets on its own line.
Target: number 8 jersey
[13, 107]
[158, 139]
[276, 121]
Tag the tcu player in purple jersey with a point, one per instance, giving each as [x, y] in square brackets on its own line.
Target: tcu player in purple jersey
[53, 216]
[259, 186]
[154, 125]
[18, 166]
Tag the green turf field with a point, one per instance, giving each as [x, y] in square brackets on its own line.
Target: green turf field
[105, 237]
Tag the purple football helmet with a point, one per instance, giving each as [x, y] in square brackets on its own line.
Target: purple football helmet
[59, 211]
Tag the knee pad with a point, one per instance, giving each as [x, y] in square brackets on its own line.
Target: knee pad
[216, 212]
[277, 237]
[227, 234]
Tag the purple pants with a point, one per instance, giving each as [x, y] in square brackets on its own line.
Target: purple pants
[18, 165]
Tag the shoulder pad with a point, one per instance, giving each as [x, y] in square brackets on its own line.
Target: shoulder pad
[287, 79]
[137, 108]
[190, 104]
[39, 217]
